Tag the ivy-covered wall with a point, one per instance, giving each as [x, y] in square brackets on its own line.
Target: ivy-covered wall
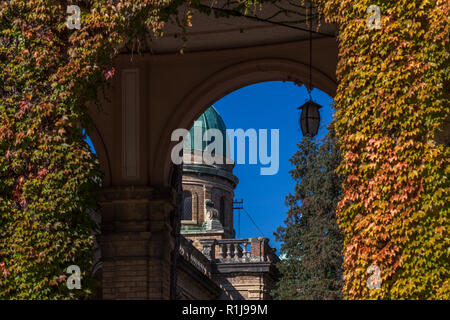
[391, 99]
[48, 176]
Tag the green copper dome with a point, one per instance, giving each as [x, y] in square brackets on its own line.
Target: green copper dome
[210, 119]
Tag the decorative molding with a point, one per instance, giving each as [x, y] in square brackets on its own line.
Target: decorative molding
[130, 124]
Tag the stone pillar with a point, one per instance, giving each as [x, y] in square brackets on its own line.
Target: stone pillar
[137, 243]
[259, 248]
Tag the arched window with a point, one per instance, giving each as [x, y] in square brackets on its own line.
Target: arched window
[186, 208]
[222, 211]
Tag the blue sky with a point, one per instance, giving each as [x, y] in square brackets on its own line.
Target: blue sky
[268, 105]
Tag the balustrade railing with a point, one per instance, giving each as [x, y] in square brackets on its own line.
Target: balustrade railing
[238, 250]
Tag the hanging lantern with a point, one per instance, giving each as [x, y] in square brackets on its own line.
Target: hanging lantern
[310, 118]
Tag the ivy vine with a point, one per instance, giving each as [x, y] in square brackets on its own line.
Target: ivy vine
[391, 100]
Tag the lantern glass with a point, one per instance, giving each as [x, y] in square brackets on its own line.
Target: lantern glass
[310, 118]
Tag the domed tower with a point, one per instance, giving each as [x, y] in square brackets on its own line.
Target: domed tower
[208, 189]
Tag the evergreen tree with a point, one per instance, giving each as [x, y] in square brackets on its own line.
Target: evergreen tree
[312, 242]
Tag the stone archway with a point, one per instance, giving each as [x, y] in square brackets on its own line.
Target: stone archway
[102, 153]
[150, 96]
[233, 78]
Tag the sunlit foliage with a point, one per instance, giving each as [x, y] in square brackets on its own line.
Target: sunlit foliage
[391, 99]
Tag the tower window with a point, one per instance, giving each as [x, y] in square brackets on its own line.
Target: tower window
[222, 211]
[186, 208]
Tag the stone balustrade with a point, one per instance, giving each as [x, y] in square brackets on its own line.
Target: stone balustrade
[238, 250]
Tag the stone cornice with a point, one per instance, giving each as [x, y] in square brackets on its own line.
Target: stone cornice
[211, 170]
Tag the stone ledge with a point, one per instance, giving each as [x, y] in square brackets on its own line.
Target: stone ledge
[125, 236]
[243, 267]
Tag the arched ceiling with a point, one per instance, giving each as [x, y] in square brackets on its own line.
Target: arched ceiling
[261, 26]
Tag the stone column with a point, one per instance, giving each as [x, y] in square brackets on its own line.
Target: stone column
[137, 242]
[258, 248]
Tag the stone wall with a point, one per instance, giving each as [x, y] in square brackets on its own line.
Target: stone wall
[243, 268]
[137, 243]
[244, 285]
[194, 280]
[203, 187]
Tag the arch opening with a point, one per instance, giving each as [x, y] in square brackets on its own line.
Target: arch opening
[227, 81]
